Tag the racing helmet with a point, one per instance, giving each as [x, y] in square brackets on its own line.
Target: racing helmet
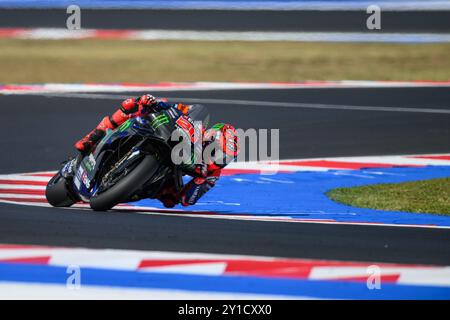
[222, 144]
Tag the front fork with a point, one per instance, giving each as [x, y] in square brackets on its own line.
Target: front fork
[69, 167]
[68, 171]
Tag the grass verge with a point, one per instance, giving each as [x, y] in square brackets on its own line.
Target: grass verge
[427, 196]
[36, 61]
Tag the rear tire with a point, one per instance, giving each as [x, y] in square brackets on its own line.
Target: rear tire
[127, 186]
[58, 193]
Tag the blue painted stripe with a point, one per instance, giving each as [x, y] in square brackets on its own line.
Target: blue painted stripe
[232, 4]
[302, 195]
[232, 284]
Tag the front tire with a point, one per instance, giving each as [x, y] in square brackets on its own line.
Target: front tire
[127, 186]
[57, 192]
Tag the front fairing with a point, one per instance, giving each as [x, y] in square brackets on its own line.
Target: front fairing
[155, 127]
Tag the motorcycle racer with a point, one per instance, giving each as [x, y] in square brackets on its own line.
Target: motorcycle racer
[204, 175]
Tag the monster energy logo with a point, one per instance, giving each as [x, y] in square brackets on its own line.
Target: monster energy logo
[160, 120]
[125, 126]
[218, 126]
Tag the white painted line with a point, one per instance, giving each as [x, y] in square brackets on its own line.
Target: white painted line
[394, 160]
[21, 177]
[433, 277]
[271, 168]
[262, 218]
[20, 196]
[18, 187]
[30, 204]
[84, 255]
[313, 105]
[255, 36]
[35, 291]
[398, 159]
[252, 36]
[56, 89]
[279, 104]
[207, 268]
[408, 276]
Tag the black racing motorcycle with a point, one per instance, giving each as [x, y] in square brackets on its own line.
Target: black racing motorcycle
[130, 163]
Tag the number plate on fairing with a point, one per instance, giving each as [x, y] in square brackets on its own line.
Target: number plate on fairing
[82, 176]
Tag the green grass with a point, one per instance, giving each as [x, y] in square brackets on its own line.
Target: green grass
[25, 61]
[427, 196]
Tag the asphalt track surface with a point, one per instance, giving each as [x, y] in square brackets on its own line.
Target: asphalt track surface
[223, 20]
[38, 133]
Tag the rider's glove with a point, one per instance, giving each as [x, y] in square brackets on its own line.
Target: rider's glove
[150, 103]
[201, 170]
[147, 100]
[197, 187]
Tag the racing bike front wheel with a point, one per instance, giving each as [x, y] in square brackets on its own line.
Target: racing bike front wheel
[127, 186]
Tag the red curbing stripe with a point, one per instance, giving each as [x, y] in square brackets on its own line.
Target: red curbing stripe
[280, 268]
[18, 87]
[427, 81]
[175, 262]
[112, 34]
[40, 175]
[307, 83]
[44, 260]
[383, 278]
[344, 165]
[432, 157]
[11, 32]
[158, 84]
[23, 191]
[25, 200]
[20, 246]
[24, 182]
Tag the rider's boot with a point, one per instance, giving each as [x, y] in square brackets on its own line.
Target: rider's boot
[168, 195]
[85, 145]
